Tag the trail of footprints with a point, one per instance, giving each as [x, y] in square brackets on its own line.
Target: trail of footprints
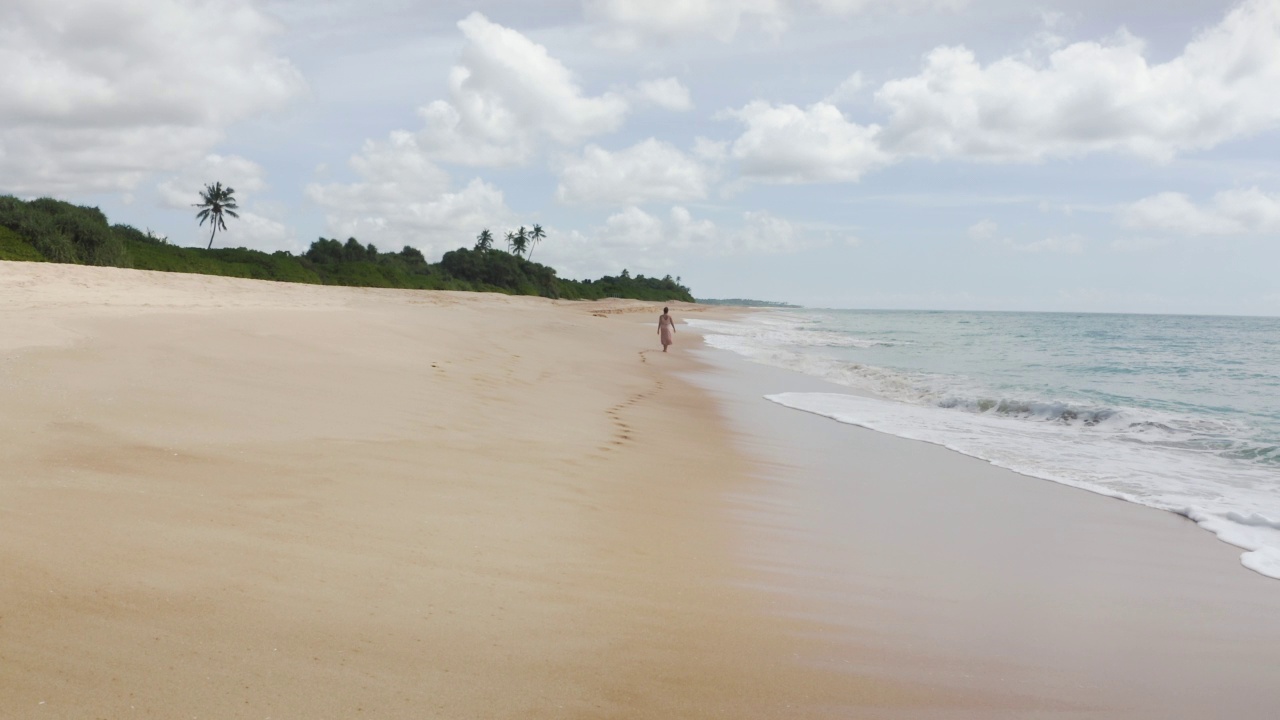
[622, 431]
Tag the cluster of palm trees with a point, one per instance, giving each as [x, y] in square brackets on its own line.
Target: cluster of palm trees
[216, 202]
[519, 242]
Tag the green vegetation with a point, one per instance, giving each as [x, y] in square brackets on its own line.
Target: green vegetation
[13, 247]
[63, 232]
[626, 286]
[52, 230]
[518, 241]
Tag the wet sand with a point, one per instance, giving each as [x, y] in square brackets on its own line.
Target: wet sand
[934, 567]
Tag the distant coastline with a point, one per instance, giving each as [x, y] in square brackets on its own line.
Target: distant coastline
[743, 302]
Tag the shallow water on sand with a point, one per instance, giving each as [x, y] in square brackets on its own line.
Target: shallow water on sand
[1180, 413]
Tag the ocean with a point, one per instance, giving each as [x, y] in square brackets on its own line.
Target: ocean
[1179, 413]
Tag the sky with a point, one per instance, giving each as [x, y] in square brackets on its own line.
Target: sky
[1066, 155]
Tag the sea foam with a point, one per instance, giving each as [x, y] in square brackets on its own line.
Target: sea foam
[1084, 460]
[1133, 408]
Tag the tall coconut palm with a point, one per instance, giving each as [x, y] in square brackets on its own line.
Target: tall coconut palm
[521, 240]
[535, 237]
[511, 242]
[216, 202]
[484, 241]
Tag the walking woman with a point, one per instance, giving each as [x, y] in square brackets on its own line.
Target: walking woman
[666, 328]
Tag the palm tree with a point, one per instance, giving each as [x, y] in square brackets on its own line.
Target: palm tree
[536, 237]
[484, 241]
[511, 241]
[520, 241]
[216, 202]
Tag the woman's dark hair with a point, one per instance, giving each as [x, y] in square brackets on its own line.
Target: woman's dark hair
[664, 311]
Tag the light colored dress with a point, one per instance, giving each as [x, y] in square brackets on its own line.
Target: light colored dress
[666, 330]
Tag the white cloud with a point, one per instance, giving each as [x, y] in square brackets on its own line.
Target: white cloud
[1230, 212]
[1084, 98]
[1137, 244]
[651, 243]
[765, 234]
[1092, 96]
[1064, 245]
[983, 230]
[636, 228]
[758, 233]
[95, 96]
[505, 94]
[648, 171]
[405, 199]
[1255, 210]
[711, 151]
[667, 93]
[846, 91]
[259, 232]
[853, 7]
[988, 232]
[180, 191]
[787, 144]
[1175, 212]
[627, 24]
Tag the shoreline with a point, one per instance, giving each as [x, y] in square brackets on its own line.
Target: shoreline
[1061, 420]
[930, 565]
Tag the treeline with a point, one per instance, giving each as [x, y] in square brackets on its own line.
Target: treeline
[57, 231]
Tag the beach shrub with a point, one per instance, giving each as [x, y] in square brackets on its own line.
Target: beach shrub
[324, 252]
[94, 242]
[350, 263]
[499, 269]
[147, 252]
[353, 251]
[413, 257]
[14, 247]
[37, 228]
[63, 232]
[626, 286]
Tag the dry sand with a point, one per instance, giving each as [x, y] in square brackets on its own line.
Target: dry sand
[223, 498]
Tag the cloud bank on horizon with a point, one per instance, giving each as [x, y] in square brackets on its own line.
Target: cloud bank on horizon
[933, 153]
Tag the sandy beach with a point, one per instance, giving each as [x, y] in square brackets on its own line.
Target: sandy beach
[229, 498]
[236, 499]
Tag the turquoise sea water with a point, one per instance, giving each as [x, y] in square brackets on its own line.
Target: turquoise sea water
[1180, 413]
